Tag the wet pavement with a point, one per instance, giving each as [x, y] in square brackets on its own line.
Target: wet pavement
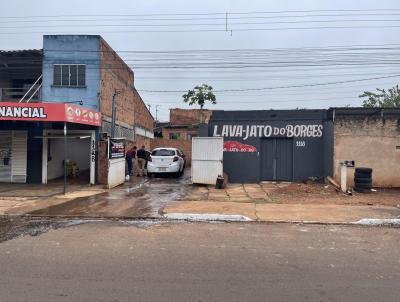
[139, 198]
[17, 226]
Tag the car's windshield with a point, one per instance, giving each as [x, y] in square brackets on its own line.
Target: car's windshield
[163, 152]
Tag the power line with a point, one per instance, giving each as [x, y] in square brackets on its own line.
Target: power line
[282, 87]
[212, 30]
[199, 24]
[279, 49]
[202, 14]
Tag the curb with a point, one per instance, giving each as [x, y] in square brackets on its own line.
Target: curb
[182, 217]
[395, 222]
[207, 217]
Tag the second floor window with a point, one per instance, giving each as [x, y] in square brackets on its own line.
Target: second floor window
[69, 75]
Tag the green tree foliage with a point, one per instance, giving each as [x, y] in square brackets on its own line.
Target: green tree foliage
[200, 95]
[382, 98]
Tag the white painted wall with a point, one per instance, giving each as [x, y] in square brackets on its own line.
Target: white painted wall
[116, 172]
[78, 150]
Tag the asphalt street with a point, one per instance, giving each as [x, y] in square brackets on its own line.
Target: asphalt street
[120, 261]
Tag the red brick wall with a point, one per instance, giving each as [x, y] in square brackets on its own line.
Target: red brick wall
[115, 74]
[130, 108]
[183, 132]
[140, 141]
[102, 163]
[143, 116]
[188, 116]
[184, 145]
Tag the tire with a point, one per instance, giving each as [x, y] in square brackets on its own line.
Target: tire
[362, 175]
[362, 190]
[363, 186]
[364, 170]
[149, 175]
[363, 181]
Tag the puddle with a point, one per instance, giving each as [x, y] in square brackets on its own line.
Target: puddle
[14, 227]
[142, 200]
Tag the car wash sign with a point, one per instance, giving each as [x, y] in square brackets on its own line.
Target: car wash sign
[49, 112]
[259, 131]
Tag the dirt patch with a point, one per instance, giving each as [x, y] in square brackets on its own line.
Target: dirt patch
[314, 193]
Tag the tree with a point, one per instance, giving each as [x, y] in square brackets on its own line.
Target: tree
[382, 98]
[200, 95]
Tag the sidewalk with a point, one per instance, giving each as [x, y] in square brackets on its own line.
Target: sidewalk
[315, 213]
[19, 199]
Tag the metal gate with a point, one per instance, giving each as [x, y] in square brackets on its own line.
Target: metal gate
[277, 159]
[207, 159]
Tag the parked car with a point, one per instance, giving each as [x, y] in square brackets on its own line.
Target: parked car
[166, 160]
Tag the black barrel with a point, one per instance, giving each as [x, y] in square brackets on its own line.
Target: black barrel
[363, 180]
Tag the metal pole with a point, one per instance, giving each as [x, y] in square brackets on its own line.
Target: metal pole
[65, 157]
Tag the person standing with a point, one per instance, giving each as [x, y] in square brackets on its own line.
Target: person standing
[141, 158]
[130, 159]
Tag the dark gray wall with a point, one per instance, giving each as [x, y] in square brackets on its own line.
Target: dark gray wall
[312, 154]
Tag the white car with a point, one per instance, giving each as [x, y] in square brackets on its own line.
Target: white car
[166, 160]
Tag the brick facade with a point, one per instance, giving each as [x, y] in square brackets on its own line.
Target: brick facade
[184, 145]
[179, 116]
[102, 164]
[116, 75]
[184, 133]
[131, 111]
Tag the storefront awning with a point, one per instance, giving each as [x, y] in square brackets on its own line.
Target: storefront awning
[49, 112]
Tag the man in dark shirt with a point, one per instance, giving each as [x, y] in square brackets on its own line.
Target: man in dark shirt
[130, 159]
[141, 157]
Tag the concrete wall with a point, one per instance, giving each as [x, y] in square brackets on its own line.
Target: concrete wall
[72, 49]
[371, 142]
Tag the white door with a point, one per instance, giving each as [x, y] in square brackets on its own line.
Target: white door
[207, 159]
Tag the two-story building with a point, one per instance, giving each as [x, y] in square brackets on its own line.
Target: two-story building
[76, 83]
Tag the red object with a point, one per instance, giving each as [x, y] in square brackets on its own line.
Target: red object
[234, 146]
[49, 112]
[176, 158]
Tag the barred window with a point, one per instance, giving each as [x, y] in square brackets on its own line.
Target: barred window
[69, 75]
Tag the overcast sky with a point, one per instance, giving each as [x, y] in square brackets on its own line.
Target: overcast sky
[158, 73]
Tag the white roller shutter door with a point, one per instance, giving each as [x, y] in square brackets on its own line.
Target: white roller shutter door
[19, 156]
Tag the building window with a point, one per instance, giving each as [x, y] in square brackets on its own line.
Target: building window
[174, 135]
[69, 75]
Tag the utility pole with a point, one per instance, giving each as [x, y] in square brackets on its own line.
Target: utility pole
[65, 158]
[113, 112]
[157, 112]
